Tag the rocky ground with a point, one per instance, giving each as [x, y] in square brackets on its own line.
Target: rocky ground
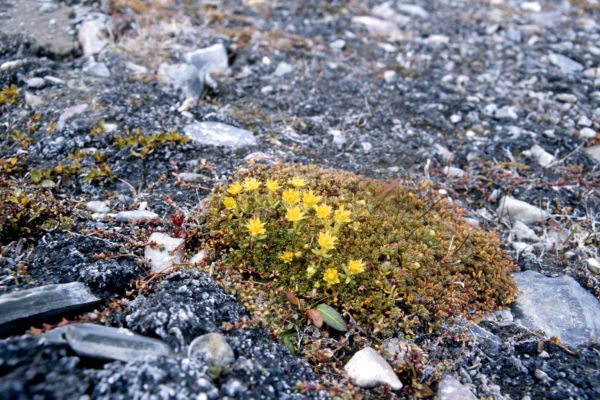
[495, 102]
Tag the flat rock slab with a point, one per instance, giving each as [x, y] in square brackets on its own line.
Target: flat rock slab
[25, 308]
[558, 307]
[47, 30]
[102, 342]
[219, 134]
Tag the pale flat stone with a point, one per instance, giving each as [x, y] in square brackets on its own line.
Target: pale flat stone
[219, 134]
[566, 64]
[212, 59]
[368, 369]
[69, 113]
[198, 257]
[97, 206]
[108, 343]
[93, 34]
[376, 26]
[450, 388]
[558, 307]
[215, 346]
[163, 251]
[594, 152]
[518, 210]
[542, 156]
[523, 232]
[136, 216]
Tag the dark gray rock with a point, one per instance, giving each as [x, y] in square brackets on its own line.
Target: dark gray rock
[25, 308]
[558, 307]
[108, 343]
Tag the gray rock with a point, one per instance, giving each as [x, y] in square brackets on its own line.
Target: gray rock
[593, 265]
[136, 216]
[490, 343]
[395, 350]
[584, 121]
[192, 177]
[377, 27]
[450, 388]
[454, 172]
[566, 98]
[212, 59]
[184, 77]
[412, 9]
[282, 69]
[558, 307]
[543, 158]
[107, 343]
[96, 69]
[46, 31]
[163, 251]
[506, 113]
[517, 210]
[565, 64]
[219, 134]
[522, 232]
[587, 133]
[215, 347]
[368, 369]
[25, 308]
[594, 152]
[35, 83]
[93, 34]
[8, 65]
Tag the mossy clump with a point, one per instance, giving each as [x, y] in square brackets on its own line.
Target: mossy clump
[395, 256]
[30, 211]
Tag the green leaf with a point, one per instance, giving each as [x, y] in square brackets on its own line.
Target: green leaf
[36, 175]
[47, 183]
[288, 339]
[332, 318]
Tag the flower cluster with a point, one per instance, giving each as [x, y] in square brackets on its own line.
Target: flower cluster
[305, 229]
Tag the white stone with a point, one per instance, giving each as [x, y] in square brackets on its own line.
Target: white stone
[212, 59]
[390, 76]
[587, 133]
[191, 177]
[385, 11]
[68, 113]
[593, 265]
[11, 64]
[558, 307]
[594, 152]
[437, 40]
[136, 216]
[584, 121]
[566, 98]
[518, 210]
[454, 172]
[136, 69]
[32, 100]
[455, 119]
[532, 6]
[35, 83]
[542, 156]
[96, 69]
[366, 146]
[219, 134]
[412, 9]
[338, 44]
[163, 251]
[283, 68]
[97, 206]
[523, 232]
[368, 369]
[450, 388]
[376, 26]
[93, 34]
[522, 248]
[215, 347]
[198, 258]
[566, 64]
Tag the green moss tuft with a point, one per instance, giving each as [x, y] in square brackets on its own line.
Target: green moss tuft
[396, 257]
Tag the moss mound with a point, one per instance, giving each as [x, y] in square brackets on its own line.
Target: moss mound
[396, 257]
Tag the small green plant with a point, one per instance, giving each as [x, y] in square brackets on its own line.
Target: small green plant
[396, 257]
[142, 145]
[29, 211]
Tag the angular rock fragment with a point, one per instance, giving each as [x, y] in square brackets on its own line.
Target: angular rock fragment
[184, 77]
[594, 152]
[219, 134]
[97, 206]
[558, 307]
[93, 34]
[108, 343]
[451, 389]
[22, 309]
[212, 59]
[367, 369]
[215, 346]
[163, 251]
[136, 216]
[565, 64]
[518, 210]
[543, 157]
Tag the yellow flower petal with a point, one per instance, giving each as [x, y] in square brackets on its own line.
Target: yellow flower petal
[330, 276]
[255, 226]
[234, 188]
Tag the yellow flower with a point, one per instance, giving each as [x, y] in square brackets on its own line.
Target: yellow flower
[291, 197]
[255, 227]
[330, 276]
[311, 270]
[355, 267]
[326, 240]
[297, 182]
[323, 211]
[229, 203]
[251, 184]
[286, 257]
[294, 214]
[272, 186]
[310, 200]
[342, 215]
[234, 188]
